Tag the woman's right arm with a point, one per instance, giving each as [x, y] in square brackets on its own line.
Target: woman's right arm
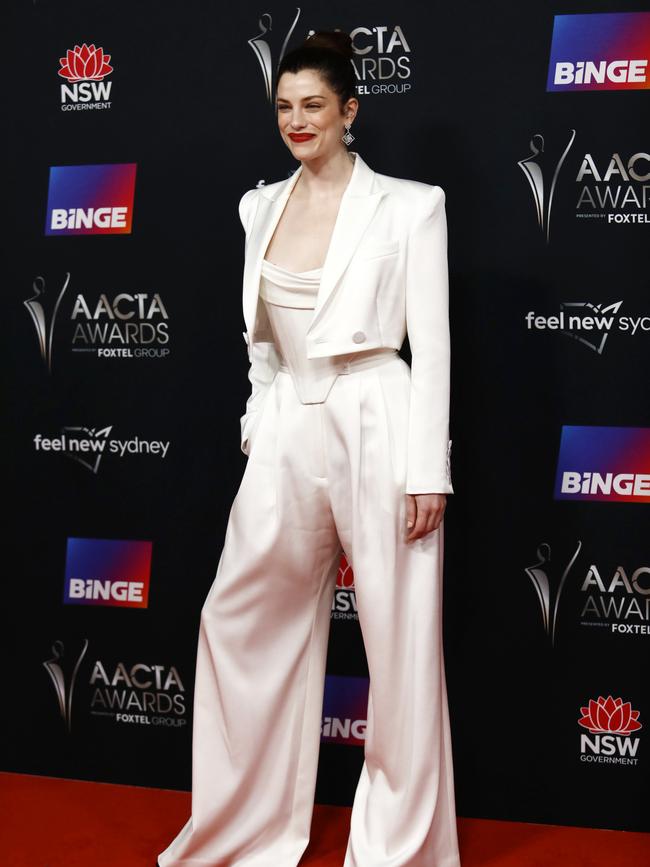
[263, 359]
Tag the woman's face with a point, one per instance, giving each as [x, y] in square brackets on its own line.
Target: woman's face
[309, 116]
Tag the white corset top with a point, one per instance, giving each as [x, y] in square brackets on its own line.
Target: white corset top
[289, 288]
[290, 299]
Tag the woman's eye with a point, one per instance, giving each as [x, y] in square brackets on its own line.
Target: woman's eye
[310, 105]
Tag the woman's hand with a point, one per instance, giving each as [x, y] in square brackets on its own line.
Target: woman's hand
[423, 514]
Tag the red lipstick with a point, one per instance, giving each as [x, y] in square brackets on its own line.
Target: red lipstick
[301, 136]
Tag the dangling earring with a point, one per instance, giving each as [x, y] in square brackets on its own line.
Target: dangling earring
[348, 138]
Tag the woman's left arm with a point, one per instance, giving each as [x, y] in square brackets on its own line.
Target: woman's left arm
[427, 322]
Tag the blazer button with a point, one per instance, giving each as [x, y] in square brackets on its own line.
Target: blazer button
[358, 336]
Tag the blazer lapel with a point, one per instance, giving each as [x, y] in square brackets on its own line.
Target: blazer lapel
[358, 205]
[269, 209]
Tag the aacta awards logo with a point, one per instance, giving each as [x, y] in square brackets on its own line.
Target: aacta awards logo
[63, 675]
[542, 174]
[610, 187]
[548, 591]
[43, 309]
[269, 51]
[381, 56]
[619, 600]
[616, 599]
[610, 723]
[123, 325]
[140, 693]
[84, 68]
[111, 325]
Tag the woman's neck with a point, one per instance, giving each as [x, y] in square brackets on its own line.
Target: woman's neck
[324, 180]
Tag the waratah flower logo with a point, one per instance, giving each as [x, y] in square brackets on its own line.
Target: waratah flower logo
[610, 716]
[85, 64]
[345, 576]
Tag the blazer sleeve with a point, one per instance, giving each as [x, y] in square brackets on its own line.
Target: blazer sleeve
[264, 360]
[427, 322]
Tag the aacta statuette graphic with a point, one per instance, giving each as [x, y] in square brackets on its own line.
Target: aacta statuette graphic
[265, 50]
[534, 167]
[43, 319]
[63, 681]
[538, 574]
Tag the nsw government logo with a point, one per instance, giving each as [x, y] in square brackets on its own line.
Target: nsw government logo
[344, 603]
[111, 572]
[90, 200]
[610, 723]
[84, 69]
[604, 464]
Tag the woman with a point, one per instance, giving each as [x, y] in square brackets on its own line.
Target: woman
[347, 450]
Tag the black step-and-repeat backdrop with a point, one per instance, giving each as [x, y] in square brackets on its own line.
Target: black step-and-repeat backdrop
[134, 129]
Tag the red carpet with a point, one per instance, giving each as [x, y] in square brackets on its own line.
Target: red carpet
[48, 822]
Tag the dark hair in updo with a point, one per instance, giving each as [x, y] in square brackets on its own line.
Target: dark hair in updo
[329, 53]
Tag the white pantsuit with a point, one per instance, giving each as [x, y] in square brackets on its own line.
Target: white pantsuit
[322, 477]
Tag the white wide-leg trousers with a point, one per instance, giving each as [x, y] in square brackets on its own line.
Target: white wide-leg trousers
[321, 477]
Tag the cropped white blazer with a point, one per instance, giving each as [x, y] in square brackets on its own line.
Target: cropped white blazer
[385, 275]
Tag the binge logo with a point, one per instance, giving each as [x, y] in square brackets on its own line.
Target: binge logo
[604, 463]
[107, 572]
[345, 709]
[90, 200]
[602, 51]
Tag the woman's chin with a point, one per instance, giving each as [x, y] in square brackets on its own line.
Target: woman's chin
[302, 147]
